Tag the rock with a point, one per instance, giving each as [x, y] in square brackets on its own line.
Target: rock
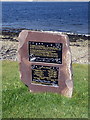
[54, 47]
[8, 50]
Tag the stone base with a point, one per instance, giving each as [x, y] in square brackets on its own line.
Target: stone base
[65, 82]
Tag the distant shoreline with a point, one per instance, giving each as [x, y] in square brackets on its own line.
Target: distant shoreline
[13, 32]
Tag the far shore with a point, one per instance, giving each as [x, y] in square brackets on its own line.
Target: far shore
[78, 44]
[13, 32]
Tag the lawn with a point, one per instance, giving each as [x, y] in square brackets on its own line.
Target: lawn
[18, 102]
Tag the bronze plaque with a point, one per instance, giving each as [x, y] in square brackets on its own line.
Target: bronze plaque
[46, 75]
[45, 52]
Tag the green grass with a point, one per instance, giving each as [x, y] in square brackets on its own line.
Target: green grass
[18, 102]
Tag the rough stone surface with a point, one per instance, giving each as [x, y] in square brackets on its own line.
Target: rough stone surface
[65, 81]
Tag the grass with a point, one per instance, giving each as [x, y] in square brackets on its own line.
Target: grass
[18, 102]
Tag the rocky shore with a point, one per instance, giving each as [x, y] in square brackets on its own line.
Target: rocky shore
[9, 45]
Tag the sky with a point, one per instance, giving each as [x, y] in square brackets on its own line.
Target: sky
[44, 0]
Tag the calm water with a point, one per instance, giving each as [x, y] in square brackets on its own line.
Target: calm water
[51, 16]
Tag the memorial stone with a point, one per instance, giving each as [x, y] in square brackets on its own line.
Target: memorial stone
[45, 62]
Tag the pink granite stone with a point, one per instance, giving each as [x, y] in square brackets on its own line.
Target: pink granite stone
[65, 82]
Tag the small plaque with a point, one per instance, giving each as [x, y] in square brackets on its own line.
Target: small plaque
[46, 75]
[45, 52]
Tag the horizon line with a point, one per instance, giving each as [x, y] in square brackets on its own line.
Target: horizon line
[44, 0]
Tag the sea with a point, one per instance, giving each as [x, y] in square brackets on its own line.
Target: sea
[69, 17]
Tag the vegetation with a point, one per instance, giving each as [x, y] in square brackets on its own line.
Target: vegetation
[18, 102]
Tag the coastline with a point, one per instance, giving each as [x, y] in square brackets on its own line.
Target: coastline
[13, 32]
[9, 40]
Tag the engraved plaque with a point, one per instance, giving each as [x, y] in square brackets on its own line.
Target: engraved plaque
[45, 52]
[46, 75]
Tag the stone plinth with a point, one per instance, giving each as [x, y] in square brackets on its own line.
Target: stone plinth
[45, 62]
